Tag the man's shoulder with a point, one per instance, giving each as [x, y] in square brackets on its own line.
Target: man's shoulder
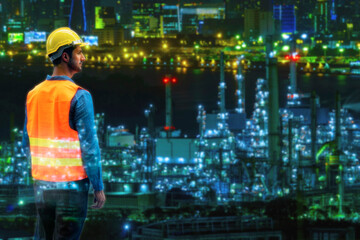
[82, 93]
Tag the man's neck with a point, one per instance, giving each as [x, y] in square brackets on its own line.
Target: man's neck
[62, 70]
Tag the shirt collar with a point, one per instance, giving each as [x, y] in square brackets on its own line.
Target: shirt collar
[62, 77]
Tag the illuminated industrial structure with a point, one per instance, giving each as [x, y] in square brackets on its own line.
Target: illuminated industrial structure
[299, 149]
[14, 166]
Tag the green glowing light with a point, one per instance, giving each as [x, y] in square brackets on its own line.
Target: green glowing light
[341, 50]
[237, 47]
[171, 60]
[15, 37]
[322, 178]
[276, 44]
[34, 51]
[305, 49]
[144, 59]
[337, 45]
[237, 36]
[197, 46]
[243, 45]
[21, 202]
[2, 53]
[340, 216]
[285, 48]
[99, 21]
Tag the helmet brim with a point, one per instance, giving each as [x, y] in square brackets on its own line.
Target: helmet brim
[82, 44]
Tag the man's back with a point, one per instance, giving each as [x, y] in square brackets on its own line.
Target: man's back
[55, 147]
[63, 161]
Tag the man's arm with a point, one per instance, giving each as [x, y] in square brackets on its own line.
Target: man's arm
[82, 114]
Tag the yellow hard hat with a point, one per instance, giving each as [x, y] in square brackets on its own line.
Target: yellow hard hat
[61, 39]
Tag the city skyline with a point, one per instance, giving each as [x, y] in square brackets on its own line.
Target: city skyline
[318, 17]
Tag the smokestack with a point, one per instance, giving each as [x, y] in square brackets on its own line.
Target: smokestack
[168, 114]
[293, 68]
[274, 123]
[222, 85]
[240, 92]
[222, 116]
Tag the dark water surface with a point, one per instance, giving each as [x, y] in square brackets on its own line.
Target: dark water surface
[123, 93]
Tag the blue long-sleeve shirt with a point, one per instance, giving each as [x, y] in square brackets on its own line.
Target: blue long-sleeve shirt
[81, 119]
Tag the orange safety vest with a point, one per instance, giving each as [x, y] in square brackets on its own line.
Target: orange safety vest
[55, 147]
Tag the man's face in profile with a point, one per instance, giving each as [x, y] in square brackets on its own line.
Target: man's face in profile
[77, 59]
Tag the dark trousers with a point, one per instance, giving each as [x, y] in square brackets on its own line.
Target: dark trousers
[61, 209]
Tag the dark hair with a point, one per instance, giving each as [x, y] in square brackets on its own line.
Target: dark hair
[68, 50]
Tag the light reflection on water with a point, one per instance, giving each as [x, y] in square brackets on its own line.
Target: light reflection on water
[196, 86]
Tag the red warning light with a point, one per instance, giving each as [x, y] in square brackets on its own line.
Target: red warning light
[296, 58]
[169, 128]
[169, 79]
[166, 80]
[293, 58]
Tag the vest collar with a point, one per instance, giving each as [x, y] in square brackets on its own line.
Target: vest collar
[62, 77]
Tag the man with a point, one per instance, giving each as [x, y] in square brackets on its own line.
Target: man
[60, 138]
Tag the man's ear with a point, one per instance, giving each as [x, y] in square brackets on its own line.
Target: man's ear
[65, 57]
